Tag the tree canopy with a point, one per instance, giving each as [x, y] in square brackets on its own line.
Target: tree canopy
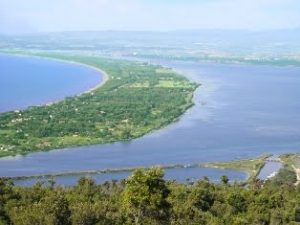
[145, 198]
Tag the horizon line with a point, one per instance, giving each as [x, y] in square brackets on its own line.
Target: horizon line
[149, 31]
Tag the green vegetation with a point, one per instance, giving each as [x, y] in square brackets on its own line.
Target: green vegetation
[146, 198]
[292, 160]
[137, 98]
[291, 169]
[285, 175]
[250, 166]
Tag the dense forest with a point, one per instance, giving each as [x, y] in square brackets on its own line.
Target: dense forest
[136, 99]
[146, 198]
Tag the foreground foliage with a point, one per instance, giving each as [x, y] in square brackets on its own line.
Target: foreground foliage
[146, 198]
[136, 99]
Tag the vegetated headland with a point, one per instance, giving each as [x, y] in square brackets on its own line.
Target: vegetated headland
[288, 173]
[136, 99]
[290, 170]
[250, 166]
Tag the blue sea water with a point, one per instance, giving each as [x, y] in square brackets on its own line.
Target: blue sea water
[29, 81]
[241, 111]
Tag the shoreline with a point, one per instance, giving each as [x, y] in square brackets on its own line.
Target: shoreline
[251, 172]
[102, 73]
[251, 166]
[117, 170]
[183, 109]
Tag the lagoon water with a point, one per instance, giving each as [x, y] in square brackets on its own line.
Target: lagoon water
[178, 174]
[28, 81]
[241, 111]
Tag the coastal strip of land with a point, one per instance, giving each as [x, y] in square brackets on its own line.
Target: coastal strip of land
[248, 166]
[290, 170]
[102, 171]
[136, 99]
[252, 167]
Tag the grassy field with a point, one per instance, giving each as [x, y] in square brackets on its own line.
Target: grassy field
[137, 98]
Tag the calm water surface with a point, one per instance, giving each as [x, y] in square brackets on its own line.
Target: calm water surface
[272, 166]
[28, 81]
[240, 112]
[180, 175]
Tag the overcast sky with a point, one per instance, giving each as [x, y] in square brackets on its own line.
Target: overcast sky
[18, 16]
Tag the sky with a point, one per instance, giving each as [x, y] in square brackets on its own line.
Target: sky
[27, 16]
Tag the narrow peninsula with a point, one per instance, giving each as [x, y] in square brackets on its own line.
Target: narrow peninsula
[136, 99]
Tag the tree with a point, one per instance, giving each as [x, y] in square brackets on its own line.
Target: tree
[297, 214]
[145, 196]
[6, 194]
[86, 189]
[83, 214]
[224, 179]
[56, 208]
[202, 198]
[277, 217]
[238, 202]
